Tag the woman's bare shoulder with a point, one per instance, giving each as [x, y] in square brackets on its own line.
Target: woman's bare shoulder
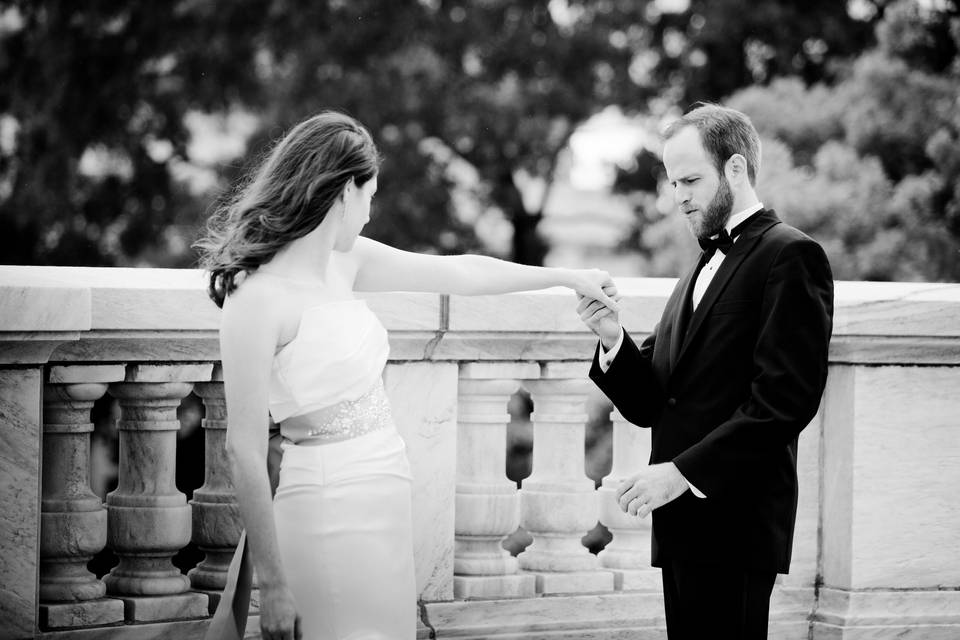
[254, 301]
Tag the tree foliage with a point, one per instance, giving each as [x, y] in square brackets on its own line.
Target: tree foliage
[108, 85]
[714, 47]
[868, 163]
[96, 100]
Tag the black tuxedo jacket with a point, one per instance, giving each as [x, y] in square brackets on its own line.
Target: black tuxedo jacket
[727, 390]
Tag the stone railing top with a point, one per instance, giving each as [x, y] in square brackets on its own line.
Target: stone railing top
[105, 302]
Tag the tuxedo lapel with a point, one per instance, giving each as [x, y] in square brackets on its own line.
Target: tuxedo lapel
[731, 263]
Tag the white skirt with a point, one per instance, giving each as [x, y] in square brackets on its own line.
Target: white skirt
[344, 526]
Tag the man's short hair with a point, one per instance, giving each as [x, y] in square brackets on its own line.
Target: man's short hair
[723, 132]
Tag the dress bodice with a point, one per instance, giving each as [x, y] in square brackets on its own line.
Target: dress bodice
[337, 355]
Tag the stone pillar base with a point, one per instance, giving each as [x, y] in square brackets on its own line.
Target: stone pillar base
[213, 598]
[508, 586]
[550, 583]
[89, 613]
[608, 616]
[878, 615]
[637, 580]
[173, 607]
[423, 631]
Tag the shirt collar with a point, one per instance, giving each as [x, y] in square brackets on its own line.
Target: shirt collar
[739, 217]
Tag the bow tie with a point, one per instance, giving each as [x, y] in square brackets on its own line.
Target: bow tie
[723, 240]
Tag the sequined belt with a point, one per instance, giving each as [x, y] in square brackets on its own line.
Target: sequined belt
[342, 421]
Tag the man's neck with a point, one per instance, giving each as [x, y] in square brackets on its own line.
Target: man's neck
[742, 214]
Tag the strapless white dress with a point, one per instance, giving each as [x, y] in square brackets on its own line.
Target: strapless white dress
[343, 508]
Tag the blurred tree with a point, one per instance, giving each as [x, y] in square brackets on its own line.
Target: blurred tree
[500, 85]
[869, 164]
[880, 189]
[93, 97]
[710, 48]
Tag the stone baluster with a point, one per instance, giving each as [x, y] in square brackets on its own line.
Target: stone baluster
[628, 554]
[73, 520]
[487, 503]
[216, 519]
[559, 502]
[148, 517]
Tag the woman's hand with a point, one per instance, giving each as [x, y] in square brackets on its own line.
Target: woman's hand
[278, 615]
[598, 285]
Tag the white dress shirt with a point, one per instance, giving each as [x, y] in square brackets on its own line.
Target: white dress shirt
[705, 277]
[699, 288]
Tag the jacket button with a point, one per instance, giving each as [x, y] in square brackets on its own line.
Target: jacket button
[672, 402]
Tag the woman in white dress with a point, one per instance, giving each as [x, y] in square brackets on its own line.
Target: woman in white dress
[332, 549]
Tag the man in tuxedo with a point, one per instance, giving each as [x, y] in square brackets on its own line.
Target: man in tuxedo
[729, 377]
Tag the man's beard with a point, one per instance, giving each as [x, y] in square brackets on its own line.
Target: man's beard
[717, 212]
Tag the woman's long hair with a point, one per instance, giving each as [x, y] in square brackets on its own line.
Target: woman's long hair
[285, 198]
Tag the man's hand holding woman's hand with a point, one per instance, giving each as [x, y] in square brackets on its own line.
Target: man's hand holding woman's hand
[599, 317]
[596, 285]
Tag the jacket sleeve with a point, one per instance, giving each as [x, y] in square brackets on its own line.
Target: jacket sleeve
[630, 382]
[790, 363]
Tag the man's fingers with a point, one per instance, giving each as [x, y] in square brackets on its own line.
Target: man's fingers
[642, 506]
[593, 308]
[586, 302]
[595, 314]
[601, 298]
[644, 510]
[632, 492]
[583, 303]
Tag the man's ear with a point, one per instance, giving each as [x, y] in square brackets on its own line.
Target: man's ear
[735, 169]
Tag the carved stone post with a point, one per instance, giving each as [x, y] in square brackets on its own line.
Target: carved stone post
[628, 554]
[73, 520]
[149, 518]
[487, 503]
[559, 503]
[216, 519]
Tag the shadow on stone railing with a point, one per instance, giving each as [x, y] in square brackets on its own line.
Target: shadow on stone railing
[875, 547]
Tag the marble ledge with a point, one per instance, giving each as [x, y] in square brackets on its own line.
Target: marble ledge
[191, 604]
[543, 613]
[33, 300]
[33, 347]
[888, 350]
[879, 608]
[180, 629]
[92, 613]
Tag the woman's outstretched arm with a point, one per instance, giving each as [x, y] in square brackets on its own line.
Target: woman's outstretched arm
[383, 268]
[249, 333]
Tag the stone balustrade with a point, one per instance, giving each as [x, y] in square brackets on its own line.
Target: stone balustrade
[877, 545]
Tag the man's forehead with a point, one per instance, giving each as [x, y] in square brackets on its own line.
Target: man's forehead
[683, 152]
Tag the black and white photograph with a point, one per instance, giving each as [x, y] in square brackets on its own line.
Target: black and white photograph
[480, 319]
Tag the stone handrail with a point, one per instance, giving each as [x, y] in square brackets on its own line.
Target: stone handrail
[876, 543]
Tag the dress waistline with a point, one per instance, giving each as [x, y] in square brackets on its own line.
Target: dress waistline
[341, 421]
